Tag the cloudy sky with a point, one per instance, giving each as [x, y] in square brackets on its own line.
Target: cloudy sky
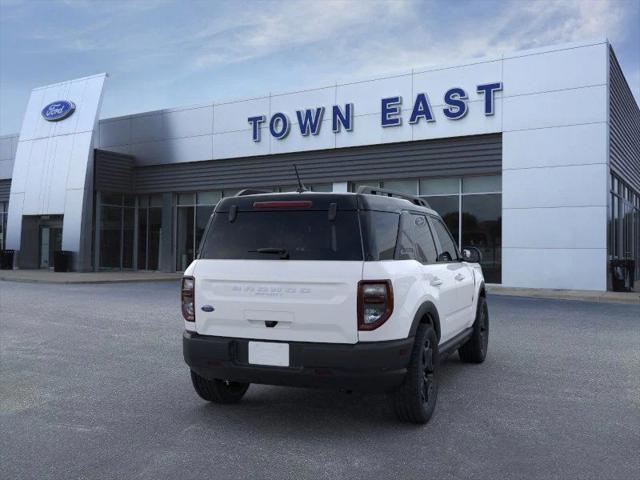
[162, 53]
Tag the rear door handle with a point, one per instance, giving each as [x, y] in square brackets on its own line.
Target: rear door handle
[435, 282]
[459, 277]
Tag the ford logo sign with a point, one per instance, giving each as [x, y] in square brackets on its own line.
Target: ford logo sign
[56, 111]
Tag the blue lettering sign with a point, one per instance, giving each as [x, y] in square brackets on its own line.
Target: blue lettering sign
[421, 109]
[310, 123]
[279, 125]
[390, 112]
[255, 126]
[342, 119]
[456, 99]
[310, 119]
[488, 90]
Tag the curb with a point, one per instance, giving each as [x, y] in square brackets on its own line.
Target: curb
[601, 297]
[88, 282]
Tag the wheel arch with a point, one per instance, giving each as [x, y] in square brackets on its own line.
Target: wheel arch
[427, 313]
[482, 291]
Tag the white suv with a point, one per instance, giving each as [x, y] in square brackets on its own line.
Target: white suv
[357, 291]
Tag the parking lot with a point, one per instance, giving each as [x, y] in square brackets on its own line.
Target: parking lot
[93, 385]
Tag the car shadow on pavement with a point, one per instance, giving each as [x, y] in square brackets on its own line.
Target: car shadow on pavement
[273, 410]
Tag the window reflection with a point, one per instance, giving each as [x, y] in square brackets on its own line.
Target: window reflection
[482, 228]
[448, 207]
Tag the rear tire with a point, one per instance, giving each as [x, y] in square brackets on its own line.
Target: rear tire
[218, 391]
[415, 399]
[475, 350]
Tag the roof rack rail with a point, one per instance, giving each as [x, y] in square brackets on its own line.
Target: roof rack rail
[251, 191]
[390, 193]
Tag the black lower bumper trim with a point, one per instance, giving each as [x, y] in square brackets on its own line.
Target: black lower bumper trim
[370, 367]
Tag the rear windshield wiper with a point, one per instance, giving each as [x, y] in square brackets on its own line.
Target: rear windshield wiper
[284, 254]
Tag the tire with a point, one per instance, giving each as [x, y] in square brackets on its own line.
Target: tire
[218, 391]
[415, 399]
[475, 350]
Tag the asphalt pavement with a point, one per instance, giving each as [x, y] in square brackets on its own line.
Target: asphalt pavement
[93, 385]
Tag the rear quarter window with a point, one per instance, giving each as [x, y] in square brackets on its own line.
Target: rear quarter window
[284, 234]
[380, 233]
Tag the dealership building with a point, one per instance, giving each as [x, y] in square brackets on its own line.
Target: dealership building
[533, 157]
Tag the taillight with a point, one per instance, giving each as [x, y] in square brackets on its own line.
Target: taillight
[187, 297]
[375, 303]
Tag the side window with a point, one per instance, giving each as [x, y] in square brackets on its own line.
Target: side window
[448, 252]
[414, 239]
[425, 246]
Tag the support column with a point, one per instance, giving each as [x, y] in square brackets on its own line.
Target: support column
[167, 250]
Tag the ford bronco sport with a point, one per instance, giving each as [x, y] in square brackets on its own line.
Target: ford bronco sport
[357, 291]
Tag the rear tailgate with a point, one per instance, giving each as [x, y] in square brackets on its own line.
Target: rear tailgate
[281, 267]
[309, 301]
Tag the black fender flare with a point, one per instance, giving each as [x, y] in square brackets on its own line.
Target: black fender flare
[482, 291]
[426, 309]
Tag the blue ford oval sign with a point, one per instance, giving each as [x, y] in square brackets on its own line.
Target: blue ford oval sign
[56, 111]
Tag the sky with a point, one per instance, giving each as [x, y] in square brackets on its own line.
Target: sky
[162, 53]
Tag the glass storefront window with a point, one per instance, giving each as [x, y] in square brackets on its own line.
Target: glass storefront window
[155, 201]
[186, 198]
[149, 228]
[364, 183]
[143, 231]
[128, 237]
[230, 193]
[624, 231]
[111, 198]
[3, 223]
[154, 236]
[110, 236]
[185, 237]
[489, 184]
[129, 200]
[439, 186]
[208, 198]
[316, 187]
[322, 187]
[117, 231]
[448, 207]
[403, 186]
[482, 228]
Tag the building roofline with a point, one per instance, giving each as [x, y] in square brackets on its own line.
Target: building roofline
[423, 69]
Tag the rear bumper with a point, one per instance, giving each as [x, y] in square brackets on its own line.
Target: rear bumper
[367, 367]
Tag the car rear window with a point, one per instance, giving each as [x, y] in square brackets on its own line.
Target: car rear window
[284, 234]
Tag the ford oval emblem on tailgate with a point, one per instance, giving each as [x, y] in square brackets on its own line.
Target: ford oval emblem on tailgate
[207, 308]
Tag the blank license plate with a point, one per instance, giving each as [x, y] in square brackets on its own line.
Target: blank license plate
[266, 353]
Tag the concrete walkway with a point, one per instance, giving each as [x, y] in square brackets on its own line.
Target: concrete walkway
[584, 295]
[49, 276]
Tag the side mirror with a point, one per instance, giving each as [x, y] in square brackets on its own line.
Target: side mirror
[471, 255]
[444, 257]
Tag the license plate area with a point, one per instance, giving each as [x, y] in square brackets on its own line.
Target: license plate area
[269, 353]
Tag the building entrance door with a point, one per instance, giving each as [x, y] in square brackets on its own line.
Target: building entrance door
[50, 241]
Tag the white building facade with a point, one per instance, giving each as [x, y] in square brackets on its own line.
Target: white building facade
[533, 157]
